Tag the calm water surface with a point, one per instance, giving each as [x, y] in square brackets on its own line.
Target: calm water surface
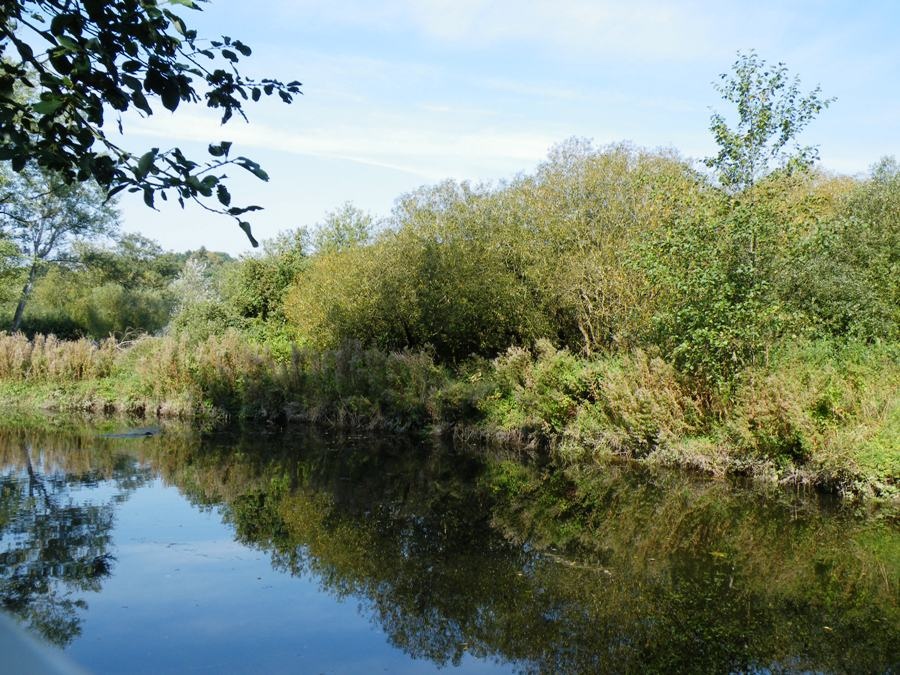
[317, 554]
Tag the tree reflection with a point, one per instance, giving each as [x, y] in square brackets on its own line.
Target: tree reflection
[624, 571]
[452, 554]
[54, 540]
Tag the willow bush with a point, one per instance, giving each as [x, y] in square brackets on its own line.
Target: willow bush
[602, 251]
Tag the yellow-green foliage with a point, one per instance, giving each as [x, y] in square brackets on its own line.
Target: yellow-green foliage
[844, 277]
[628, 404]
[120, 290]
[821, 412]
[228, 372]
[580, 220]
[442, 278]
[353, 385]
[472, 270]
[341, 297]
[832, 406]
[638, 405]
[80, 303]
[604, 251]
[47, 359]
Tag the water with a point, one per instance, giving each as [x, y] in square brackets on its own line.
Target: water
[325, 554]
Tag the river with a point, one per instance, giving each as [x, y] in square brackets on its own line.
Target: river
[307, 552]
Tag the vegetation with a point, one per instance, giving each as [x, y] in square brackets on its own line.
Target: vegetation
[66, 66]
[44, 216]
[823, 414]
[616, 302]
[120, 284]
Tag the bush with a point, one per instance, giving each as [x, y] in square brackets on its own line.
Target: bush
[637, 405]
[845, 279]
[824, 404]
[627, 404]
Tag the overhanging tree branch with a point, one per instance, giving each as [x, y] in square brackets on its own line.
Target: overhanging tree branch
[67, 64]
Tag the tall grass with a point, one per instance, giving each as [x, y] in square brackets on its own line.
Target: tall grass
[827, 404]
[46, 358]
[822, 412]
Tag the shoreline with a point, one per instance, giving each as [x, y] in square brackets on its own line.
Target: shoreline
[95, 403]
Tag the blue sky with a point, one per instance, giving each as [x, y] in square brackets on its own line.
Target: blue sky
[402, 93]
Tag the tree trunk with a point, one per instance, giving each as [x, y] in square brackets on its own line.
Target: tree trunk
[23, 299]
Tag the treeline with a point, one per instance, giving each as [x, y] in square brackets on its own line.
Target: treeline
[124, 286]
[599, 251]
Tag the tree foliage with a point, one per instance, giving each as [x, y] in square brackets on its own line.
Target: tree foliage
[119, 289]
[845, 279]
[771, 113]
[343, 228]
[45, 216]
[68, 67]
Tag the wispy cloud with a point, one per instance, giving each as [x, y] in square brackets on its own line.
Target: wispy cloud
[430, 154]
[423, 90]
[639, 29]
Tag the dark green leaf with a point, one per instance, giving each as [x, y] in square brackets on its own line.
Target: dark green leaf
[245, 226]
[223, 195]
[171, 95]
[47, 106]
[140, 102]
[220, 149]
[25, 51]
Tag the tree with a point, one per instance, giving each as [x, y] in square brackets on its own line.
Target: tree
[45, 215]
[119, 288]
[771, 114]
[846, 279]
[343, 228]
[78, 61]
[134, 262]
[716, 264]
[55, 544]
[10, 272]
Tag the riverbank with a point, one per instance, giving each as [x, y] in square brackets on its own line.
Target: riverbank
[822, 414]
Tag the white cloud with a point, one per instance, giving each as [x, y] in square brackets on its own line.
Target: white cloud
[431, 154]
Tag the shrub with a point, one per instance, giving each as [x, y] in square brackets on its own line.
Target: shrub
[637, 405]
[823, 404]
[845, 278]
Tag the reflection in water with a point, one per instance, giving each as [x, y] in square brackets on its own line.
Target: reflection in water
[451, 554]
[53, 547]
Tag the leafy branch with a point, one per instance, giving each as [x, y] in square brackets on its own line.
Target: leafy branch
[77, 60]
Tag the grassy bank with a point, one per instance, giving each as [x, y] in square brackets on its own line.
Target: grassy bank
[823, 413]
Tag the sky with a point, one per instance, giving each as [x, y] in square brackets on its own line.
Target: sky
[404, 93]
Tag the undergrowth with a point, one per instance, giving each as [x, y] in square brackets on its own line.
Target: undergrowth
[825, 413]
